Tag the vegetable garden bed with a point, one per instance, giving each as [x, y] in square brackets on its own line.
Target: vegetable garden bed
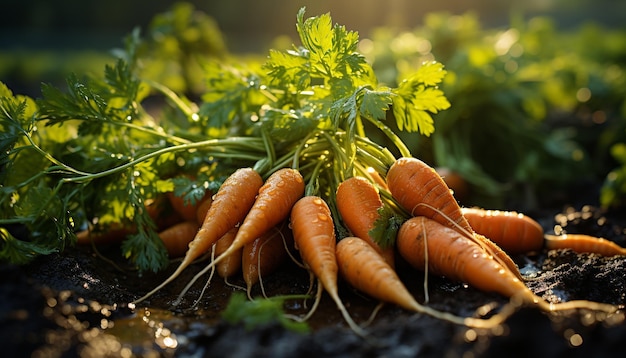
[76, 304]
[96, 159]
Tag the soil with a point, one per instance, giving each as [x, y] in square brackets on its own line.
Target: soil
[77, 304]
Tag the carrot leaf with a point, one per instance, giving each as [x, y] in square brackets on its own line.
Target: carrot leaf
[386, 227]
[417, 97]
[260, 312]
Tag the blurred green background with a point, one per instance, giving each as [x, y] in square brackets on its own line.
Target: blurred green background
[41, 40]
[538, 87]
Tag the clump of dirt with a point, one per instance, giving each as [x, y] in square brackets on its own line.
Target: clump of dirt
[77, 304]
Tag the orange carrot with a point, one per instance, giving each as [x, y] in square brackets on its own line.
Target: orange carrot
[272, 205]
[203, 208]
[358, 203]
[584, 243]
[515, 233]
[364, 269]
[232, 263]
[452, 255]
[264, 255]
[231, 204]
[117, 232]
[498, 254]
[454, 181]
[186, 210]
[177, 237]
[314, 236]
[421, 191]
[377, 178]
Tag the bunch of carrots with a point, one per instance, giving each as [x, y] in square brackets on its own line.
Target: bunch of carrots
[346, 204]
[434, 235]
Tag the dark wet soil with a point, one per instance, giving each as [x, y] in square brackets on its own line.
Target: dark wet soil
[76, 304]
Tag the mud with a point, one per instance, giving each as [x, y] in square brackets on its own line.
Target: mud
[77, 304]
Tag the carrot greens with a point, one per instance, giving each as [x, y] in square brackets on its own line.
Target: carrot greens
[94, 153]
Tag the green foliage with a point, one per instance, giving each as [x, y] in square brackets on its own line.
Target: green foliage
[260, 312]
[177, 44]
[93, 155]
[613, 192]
[533, 109]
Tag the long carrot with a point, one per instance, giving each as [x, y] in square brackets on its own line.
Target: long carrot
[272, 205]
[451, 254]
[358, 203]
[418, 188]
[364, 269]
[584, 244]
[177, 237]
[314, 236]
[230, 206]
[514, 232]
[263, 256]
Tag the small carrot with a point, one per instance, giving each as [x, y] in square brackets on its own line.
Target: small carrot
[113, 235]
[231, 264]
[424, 242]
[364, 269]
[230, 206]
[584, 244]
[117, 232]
[263, 256]
[377, 178]
[314, 237]
[514, 232]
[421, 191]
[177, 237]
[271, 206]
[358, 203]
[186, 210]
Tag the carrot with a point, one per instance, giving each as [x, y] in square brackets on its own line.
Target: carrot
[452, 255]
[314, 236]
[263, 256]
[177, 237]
[358, 203]
[203, 208]
[421, 191]
[117, 232]
[454, 181]
[232, 263]
[377, 178]
[497, 253]
[230, 206]
[584, 243]
[271, 206]
[514, 232]
[186, 210]
[364, 269]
